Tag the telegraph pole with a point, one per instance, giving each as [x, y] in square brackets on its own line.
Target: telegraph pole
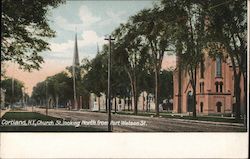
[109, 75]
[46, 100]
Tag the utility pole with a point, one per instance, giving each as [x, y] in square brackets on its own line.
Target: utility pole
[46, 100]
[13, 91]
[109, 75]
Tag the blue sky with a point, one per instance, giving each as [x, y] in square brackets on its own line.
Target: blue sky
[93, 20]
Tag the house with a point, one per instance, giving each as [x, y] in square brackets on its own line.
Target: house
[3, 91]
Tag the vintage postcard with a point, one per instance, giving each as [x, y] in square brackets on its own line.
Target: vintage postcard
[124, 66]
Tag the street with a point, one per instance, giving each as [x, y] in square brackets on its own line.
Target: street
[129, 123]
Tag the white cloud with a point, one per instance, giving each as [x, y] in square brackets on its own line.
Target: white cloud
[88, 39]
[114, 18]
[87, 17]
[66, 25]
[62, 47]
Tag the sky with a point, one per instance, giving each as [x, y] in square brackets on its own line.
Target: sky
[92, 21]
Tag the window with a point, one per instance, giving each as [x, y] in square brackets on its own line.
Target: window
[201, 107]
[221, 87]
[202, 87]
[218, 67]
[218, 105]
[217, 86]
[202, 69]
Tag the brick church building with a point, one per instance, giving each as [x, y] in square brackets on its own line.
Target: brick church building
[214, 88]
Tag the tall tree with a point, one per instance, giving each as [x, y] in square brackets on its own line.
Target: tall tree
[156, 33]
[129, 51]
[14, 92]
[227, 32]
[189, 28]
[39, 93]
[25, 29]
[58, 86]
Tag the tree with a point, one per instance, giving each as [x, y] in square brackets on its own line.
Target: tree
[189, 28]
[24, 31]
[227, 33]
[166, 78]
[95, 79]
[15, 93]
[39, 93]
[130, 52]
[58, 86]
[156, 34]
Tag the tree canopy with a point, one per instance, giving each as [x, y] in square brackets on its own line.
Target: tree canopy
[25, 30]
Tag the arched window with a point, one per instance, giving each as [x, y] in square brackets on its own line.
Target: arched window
[218, 67]
[217, 86]
[201, 107]
[218, 105]
[221, 86]
[202, 69]
[202, 87]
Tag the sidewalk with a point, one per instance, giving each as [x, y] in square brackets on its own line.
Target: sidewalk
[143, 117]
[3, 112]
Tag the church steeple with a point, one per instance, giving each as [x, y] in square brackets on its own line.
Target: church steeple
[75, 72]
[98, 51]
[76, 56]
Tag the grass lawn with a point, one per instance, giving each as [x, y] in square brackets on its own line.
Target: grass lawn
[201, 118]
[25, 116]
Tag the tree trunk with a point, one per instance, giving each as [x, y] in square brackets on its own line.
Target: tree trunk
[237, 94]
[99, 104]
[147, 102]
[124, 102]
[133, 85]
[245, 99]
[128, 103]
[135, 97]
[194, 90]
[194, 102]
[179, 89]
[115, 105]
[57, 100]
[193, 84]
[106, 103]
[157, 92]
[143, 102]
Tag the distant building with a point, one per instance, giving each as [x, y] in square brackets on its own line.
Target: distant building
[3, 91]
[214, 90]
[145, 102]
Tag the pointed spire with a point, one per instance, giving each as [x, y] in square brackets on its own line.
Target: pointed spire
[76, 56]
[98, 49]
[75, 72]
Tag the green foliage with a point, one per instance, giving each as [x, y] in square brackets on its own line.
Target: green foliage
[95, 80]
[166, 87]
[58, 86]
[12, 95]
[25, 30]
[227, 32]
